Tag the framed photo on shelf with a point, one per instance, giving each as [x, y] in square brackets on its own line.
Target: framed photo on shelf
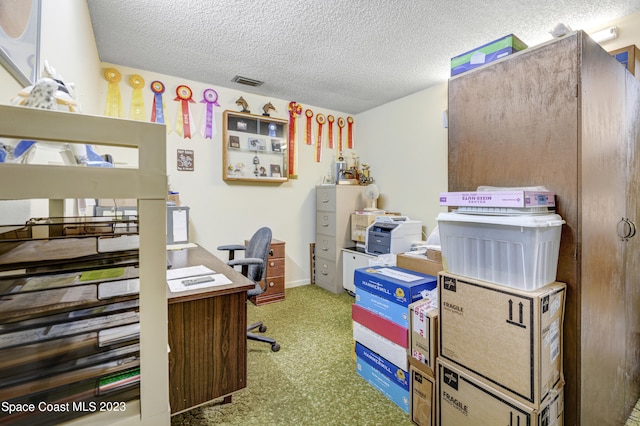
[257, 144]
[275, 170]
[276, 145]
[234, 141]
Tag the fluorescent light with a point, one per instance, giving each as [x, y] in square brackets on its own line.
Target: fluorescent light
[605, 35]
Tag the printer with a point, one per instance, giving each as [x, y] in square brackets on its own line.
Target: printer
[392, 234]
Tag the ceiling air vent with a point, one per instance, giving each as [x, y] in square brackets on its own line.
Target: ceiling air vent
[247, 81]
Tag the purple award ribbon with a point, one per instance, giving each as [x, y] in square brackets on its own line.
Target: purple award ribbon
[210, 98]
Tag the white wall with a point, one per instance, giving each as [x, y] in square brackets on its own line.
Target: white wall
[406, 145]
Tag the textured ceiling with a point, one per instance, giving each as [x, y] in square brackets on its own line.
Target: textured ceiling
[348, 56]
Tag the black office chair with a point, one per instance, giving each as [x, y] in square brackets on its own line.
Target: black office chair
[254, 267]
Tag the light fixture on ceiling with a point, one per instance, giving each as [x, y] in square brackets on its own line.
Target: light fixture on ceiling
[605, 35]
[246, 81]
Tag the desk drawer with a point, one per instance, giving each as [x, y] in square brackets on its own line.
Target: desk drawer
[275, 267]
[277, 250]
[274, 293]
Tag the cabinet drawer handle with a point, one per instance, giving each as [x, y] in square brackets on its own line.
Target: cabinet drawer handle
[324, 225]
[324, 201]
[272, 263]
[324, 273]
[626, 229]
[271, 283]
[324, 249]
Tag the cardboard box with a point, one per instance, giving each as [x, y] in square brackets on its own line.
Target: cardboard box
[383, 307]
[423, 332]
[517, 199]
[400, 286]
[390, 351]
[489, 52]
[628, 56]
[382, 326]
[391, 382]
[465, 400]
[509, 338]
[419, 263]
[422, 391]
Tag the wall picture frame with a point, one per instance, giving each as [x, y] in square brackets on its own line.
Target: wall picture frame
[20, 39]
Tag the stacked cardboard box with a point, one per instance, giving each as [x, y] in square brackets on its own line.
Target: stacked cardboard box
[381, 326]
[423, 341]
[500, 352]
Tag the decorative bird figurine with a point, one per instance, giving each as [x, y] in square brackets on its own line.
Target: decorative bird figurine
[242, 103]
[268, 107]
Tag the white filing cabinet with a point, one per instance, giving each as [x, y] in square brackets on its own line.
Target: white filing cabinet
[353, 259]
[334, 205]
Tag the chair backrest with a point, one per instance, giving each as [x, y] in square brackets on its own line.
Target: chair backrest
[258, 246]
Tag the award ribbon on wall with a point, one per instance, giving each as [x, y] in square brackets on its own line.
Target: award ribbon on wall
[136, 111]
[208, 126]
[321, 120]
[350, 132]
[157, 111]
[295, 109]
[341, 124]
[330, 120]
[113, 107]
[307, 133]
[184, 122]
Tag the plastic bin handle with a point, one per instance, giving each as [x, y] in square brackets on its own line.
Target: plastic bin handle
[556, 223]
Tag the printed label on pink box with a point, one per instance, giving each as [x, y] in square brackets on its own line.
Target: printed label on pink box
[499, 199]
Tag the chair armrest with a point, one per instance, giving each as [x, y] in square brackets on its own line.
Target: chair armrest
[232, 247]
[246, 261]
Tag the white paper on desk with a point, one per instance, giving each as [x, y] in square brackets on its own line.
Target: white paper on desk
[180, 225]
[189, 271]
[217, 279]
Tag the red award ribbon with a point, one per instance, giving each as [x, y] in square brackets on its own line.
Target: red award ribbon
[341, 124]
[295, 109]
[184, 96]
[350, 132]
[307, 132]
[208, 127]
[330, 120]
[321, 120]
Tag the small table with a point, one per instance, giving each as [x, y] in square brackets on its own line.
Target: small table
[207, 335]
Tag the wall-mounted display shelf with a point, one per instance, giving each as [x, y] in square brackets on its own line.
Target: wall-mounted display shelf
[254, 148]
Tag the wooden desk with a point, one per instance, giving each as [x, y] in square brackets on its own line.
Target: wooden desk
[207, 335]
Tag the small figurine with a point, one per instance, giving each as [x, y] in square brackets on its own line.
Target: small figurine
[268, 107]
[242, 103]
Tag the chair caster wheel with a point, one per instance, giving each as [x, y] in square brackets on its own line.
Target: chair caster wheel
[262, 328]
[275, 347]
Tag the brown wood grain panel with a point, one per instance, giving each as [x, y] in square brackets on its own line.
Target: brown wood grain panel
[207, 339]
[555, 115]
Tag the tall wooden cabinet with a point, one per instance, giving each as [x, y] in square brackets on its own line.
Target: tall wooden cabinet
[334, 205]
[566, 115]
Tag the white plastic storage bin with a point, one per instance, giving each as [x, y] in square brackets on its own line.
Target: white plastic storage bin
[516, 251]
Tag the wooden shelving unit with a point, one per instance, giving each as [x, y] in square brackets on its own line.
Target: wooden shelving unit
[148, 184]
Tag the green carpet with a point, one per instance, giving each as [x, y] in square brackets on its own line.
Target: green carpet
[312, 380]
